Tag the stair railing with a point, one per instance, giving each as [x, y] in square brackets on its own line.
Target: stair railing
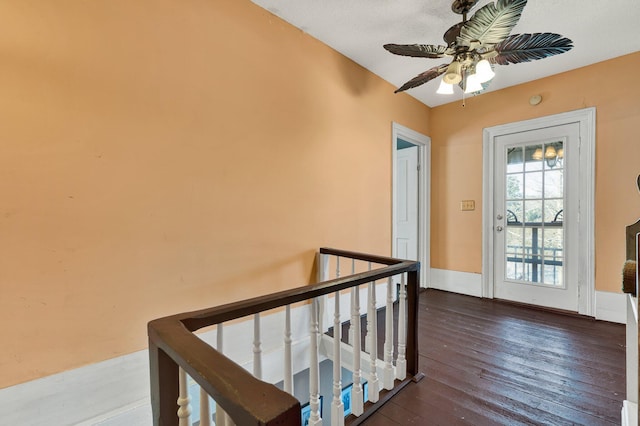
[176, 353]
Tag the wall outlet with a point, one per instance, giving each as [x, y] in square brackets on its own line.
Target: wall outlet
[467, 205]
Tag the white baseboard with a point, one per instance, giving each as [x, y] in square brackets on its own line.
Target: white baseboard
[71, 397]
[134, 414]
[611, 307]
[629, 414]
[456, 282]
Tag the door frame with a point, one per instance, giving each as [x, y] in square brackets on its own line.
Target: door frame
[586, 118]
[423, 143]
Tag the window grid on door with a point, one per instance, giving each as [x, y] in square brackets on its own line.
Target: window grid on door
[534, 211]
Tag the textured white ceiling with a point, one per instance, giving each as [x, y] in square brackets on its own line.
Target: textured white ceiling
[600, 30]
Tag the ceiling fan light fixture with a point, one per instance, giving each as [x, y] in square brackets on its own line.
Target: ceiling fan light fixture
[453, 75]
[473, 85]
[484, 72]
[445, 88]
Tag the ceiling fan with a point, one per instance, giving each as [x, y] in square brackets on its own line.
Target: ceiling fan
[479, 43]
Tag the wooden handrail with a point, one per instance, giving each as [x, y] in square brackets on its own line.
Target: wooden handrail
[246, 399]
[383, 260]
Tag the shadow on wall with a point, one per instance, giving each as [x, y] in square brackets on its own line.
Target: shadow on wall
[357, 79]
[264, 279]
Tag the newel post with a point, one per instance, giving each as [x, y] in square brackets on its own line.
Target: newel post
[413, 288]
[164, 387]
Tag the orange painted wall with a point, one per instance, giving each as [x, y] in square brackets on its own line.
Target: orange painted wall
[456, 133]
[162, 156]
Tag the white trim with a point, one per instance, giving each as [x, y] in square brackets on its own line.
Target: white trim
[586, 270]
[76, 395]
[631, 341]
[611, 307]
[134, 414]
[456, 282]
[424, 195]
[488, 156]
[629, 413]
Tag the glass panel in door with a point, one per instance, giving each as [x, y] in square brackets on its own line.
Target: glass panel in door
[534, 205]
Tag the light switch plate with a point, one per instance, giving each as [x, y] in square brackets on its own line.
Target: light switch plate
[467, 205]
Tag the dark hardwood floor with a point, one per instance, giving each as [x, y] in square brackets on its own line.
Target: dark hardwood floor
[489, 362]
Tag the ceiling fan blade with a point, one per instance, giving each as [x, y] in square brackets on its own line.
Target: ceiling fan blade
[530, 47]
[451, 35]
[417, 50]
[424, 77]
[492, 23]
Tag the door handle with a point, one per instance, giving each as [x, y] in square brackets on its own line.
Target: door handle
[499, 217]
[499, 228]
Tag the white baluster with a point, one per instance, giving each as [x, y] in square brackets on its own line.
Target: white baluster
[389, 375]
[314, 377]
[357, 404]
[350, 334]
[288, 368]
[205, 412]
[323, 275]
[222, 419]
[184, 410]
[367, 338]
[257, 351]
[372, 328]
[327, 314]
[323, 267]
[401, 361]
[337, 408]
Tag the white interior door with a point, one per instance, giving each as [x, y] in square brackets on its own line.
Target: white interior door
[406, 237]
[536, 216]
[411, 195]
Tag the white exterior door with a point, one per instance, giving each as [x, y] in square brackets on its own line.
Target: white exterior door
[406, 238]
[536, 216]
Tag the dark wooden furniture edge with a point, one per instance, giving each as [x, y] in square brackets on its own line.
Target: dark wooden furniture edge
[632, 230]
